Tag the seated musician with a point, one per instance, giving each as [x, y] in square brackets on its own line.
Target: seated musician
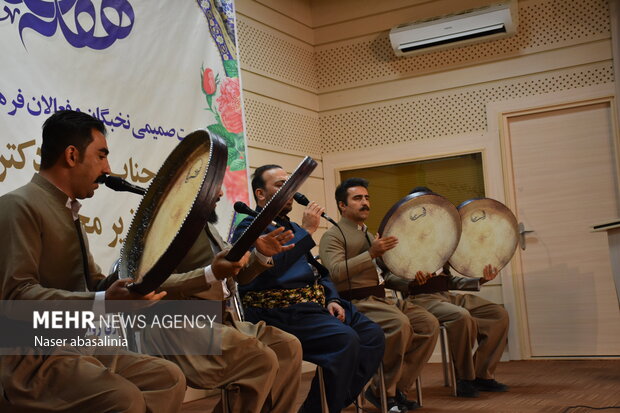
[290, 296]
[262, 362]
[467, 318]
[46, 257]
[348, 252]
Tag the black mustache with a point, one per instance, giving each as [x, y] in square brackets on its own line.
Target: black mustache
[365, 208]
[101, 179]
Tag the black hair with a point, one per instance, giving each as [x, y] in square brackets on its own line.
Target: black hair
[257, 177]
[65, 128]
[341, 190]
[420, 189]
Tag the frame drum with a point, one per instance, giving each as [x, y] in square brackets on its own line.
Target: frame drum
[173, 211]
[490, 235]
[427, 226]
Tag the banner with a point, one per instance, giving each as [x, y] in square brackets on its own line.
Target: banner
[152, 71]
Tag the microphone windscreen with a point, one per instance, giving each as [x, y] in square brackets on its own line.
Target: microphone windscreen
[242, 208]
[116, 183]
[301, 199]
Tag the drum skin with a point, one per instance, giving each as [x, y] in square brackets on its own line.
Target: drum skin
[427, 226]
[489, 236]
[174, 210]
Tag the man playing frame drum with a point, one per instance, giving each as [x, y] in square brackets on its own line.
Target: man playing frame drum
[262, 362]
[348, 251]
[46, 257]
[467, 318]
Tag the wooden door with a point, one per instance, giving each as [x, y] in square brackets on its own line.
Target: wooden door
[564, 182]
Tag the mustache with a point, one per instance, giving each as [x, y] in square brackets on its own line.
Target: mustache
[101, 179]
[365, 208]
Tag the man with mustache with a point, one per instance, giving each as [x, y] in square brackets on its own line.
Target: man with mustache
[349, 251]
[262, 362]
[46, 257]
[297, 296]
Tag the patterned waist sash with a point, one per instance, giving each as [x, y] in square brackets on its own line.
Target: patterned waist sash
[285, 298]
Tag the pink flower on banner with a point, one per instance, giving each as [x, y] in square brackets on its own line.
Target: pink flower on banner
[229, 105]
[236, 184]
[208, 82]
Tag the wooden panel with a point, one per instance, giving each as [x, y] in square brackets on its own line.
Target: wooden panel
[278, 91]
[299, 10]
[366, 93]
[251, 9]
[289, 162]
[564, 180]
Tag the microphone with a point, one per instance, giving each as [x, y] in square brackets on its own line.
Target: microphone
[242, 208]
[119, 184]
[303, 200]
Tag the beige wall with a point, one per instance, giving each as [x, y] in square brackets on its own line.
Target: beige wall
[320, 78]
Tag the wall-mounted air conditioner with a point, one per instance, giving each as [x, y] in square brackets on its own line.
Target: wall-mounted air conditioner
[486, 23]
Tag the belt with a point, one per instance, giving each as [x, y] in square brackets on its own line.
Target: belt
[364, 292]
[284, 298]
[433, 285]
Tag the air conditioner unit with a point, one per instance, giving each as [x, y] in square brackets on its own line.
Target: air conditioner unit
[486, 23]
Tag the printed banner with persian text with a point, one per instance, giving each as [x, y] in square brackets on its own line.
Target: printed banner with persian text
[152, 71]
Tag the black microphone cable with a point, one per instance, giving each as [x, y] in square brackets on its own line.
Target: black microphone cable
[303, 200]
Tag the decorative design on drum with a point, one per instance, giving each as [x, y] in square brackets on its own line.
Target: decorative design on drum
[174, 210]
[416, 216]
[490, 235]
[428, 228]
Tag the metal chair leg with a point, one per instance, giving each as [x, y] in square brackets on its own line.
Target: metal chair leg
[324, 407]
[444, 360]
[382, 393]
[384, 406]
[449, 371]
[418, 390]
[452, 375]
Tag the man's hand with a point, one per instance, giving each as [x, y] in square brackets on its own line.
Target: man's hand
[119, 291]
[273, 243]
[422, 277]
[223, 268]
[312, 217]
[488, 273]
[336, 310]
[381, 245]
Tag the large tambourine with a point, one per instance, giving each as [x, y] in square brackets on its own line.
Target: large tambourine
[174, 210]
[489, 236]
[271, 209]
[427, 226]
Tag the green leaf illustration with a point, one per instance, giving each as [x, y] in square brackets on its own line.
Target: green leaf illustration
[230, 67]
[221, 131]
[237, 165]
